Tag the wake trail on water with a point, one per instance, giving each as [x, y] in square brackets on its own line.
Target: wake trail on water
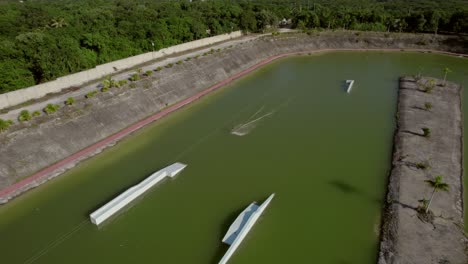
[252, 122]
[62, 238]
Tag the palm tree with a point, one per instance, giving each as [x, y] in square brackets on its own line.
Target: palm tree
[446, 70]
[438, 185]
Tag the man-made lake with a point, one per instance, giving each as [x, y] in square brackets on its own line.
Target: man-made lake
[326, 154]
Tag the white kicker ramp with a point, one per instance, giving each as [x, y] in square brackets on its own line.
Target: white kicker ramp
[241, 227]
[119, 202]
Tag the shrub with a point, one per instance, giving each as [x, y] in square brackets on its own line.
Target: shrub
[218, 50]
[428, 89]
[91, 94]
[51, 108]
[148, 73]
[188, 59]
[104, 89]
[24, 116]
[36, 113]
[106, 84]
[212, 51]
[135, 77]
[70, 100]
[169, 65]
[198, 56]
[179, 62]
[204, 54]
[428, 106]
[159, 68]
[139, 70]
[5, 124]
[422, 165]
[123, 82]
[426, 132]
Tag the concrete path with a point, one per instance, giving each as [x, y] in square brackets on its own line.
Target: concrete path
[93, 86]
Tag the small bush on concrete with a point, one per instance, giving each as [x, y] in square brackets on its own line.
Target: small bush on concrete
[5, 124]
[179, 62]
[122, 82]
[51, 108]
[104, 89]
[205, 54]
[422, 165]
[159, 68]
[188, 59]
[24, 116]
[91, 94]
[169, 65]
[36, 113]
[148, 73]
[426, 132]
[70, 100]
[427, 106]
[135, 77]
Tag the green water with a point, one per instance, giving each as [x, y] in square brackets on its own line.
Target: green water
[325, 153]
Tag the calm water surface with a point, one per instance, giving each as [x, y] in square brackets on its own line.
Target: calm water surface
[325, 153]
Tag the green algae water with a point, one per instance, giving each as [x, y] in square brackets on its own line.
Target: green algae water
[325, 153]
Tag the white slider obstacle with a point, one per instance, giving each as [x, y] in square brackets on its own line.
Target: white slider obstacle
[350, 85]
[119, 202]
[241, 227]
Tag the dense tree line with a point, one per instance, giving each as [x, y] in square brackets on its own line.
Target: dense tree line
[41, 40]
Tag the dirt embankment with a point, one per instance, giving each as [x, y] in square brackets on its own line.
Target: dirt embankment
[428, 142]
[32, 146]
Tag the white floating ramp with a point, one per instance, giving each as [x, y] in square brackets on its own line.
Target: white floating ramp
[119, 202]
[350, 85]
[241, 227]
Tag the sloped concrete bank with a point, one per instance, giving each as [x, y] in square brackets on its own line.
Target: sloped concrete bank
[46, 141]
[408, 235]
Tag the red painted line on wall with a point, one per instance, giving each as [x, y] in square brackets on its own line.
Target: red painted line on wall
[119, 135]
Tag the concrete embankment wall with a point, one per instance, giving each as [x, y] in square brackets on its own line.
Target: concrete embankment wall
[100, 71]
[406, 238]
[30, 147]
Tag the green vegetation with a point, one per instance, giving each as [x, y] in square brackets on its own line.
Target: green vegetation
[36, 113]
[104, 89]
[159, 68]
[91, 94]
[86, 33]
[69, 101]
[135, 77]
[148, 73]
[438, 185]
[422, 165]
[427, 106]
[5, 124]
[426, 132]
[51, 108]
[24, 115]
[429, 86]
[179, 62]
[446, 71]
[122, 82]
[169, 65]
